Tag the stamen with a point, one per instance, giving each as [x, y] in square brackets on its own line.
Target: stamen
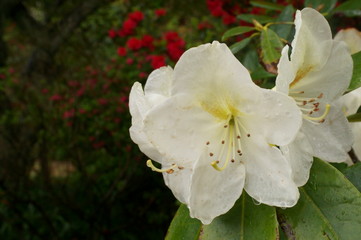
[320, 118]
[215, 163]
[167, 170]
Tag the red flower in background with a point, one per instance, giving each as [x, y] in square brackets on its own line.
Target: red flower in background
[160, 12]
[56, 97]
[128, 28]
[175, 50]
[204, 25]
[134, 43]
[228, 19]
[136, 16]
[69, 114]
[157, 61]
[147, 41]
[175, 45]
[112, 33]
[121, 51]
[215, 7]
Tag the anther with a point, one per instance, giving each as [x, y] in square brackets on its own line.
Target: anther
[225, 126]
[321, 118]
[222, 141]
[248, 135]
[155, 169]
[211, 154]
[239, 137]
[207, 143]
[320, 96]
[232, 160]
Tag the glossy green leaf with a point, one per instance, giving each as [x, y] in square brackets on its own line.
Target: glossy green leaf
[244, 221]
[356, 75]
[354, 117]
[183, 227]
[284, 30]
[271, 46]
[260, 73]
[267, 5]
[236, 31]
[322, 6]
[259, 18]
[329, 207]
[350, 8]
[353, 174]
[238, 46]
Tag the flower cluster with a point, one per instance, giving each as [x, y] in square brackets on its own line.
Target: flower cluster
[138, 47]
[215, 133]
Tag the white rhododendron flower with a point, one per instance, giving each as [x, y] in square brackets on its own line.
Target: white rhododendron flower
[215, 132]
[352, 37]
[351, 103]
[316, 75]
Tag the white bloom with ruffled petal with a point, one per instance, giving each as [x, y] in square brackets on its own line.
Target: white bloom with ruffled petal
[316, 75]
[215, 132]
[351, 103]
[352, 37]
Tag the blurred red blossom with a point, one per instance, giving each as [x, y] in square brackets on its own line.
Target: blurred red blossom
[160, 12]
[157, 61]
[134, 43]
[147, 41]
[136, 16]
[121, 51]
[112, 33]
[56, 97]
[69, 114]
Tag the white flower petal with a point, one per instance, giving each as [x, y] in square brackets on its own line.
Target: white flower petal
[269, 176]
[214, 192]
[276, 117]
[352, 37]
[332, 139]
[179, 182]
[310, 45]
[299, 155]
[332, 79]
[286, 71]
[180, 129]
[351, 101]
[356, 130]
[139, 107]
[206, 69]
[160, 81]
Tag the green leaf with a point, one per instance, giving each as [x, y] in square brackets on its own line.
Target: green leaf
[322, 6]
[236, 31]
[284, 30]
[259, 18]
[350, 8]
[353, 174]
[238, 46]
[267, 5]
[245, 220]
[260, 73]
[183, 227]
[329, 207]
[356, 75]
[271, 46]
[354, 117]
